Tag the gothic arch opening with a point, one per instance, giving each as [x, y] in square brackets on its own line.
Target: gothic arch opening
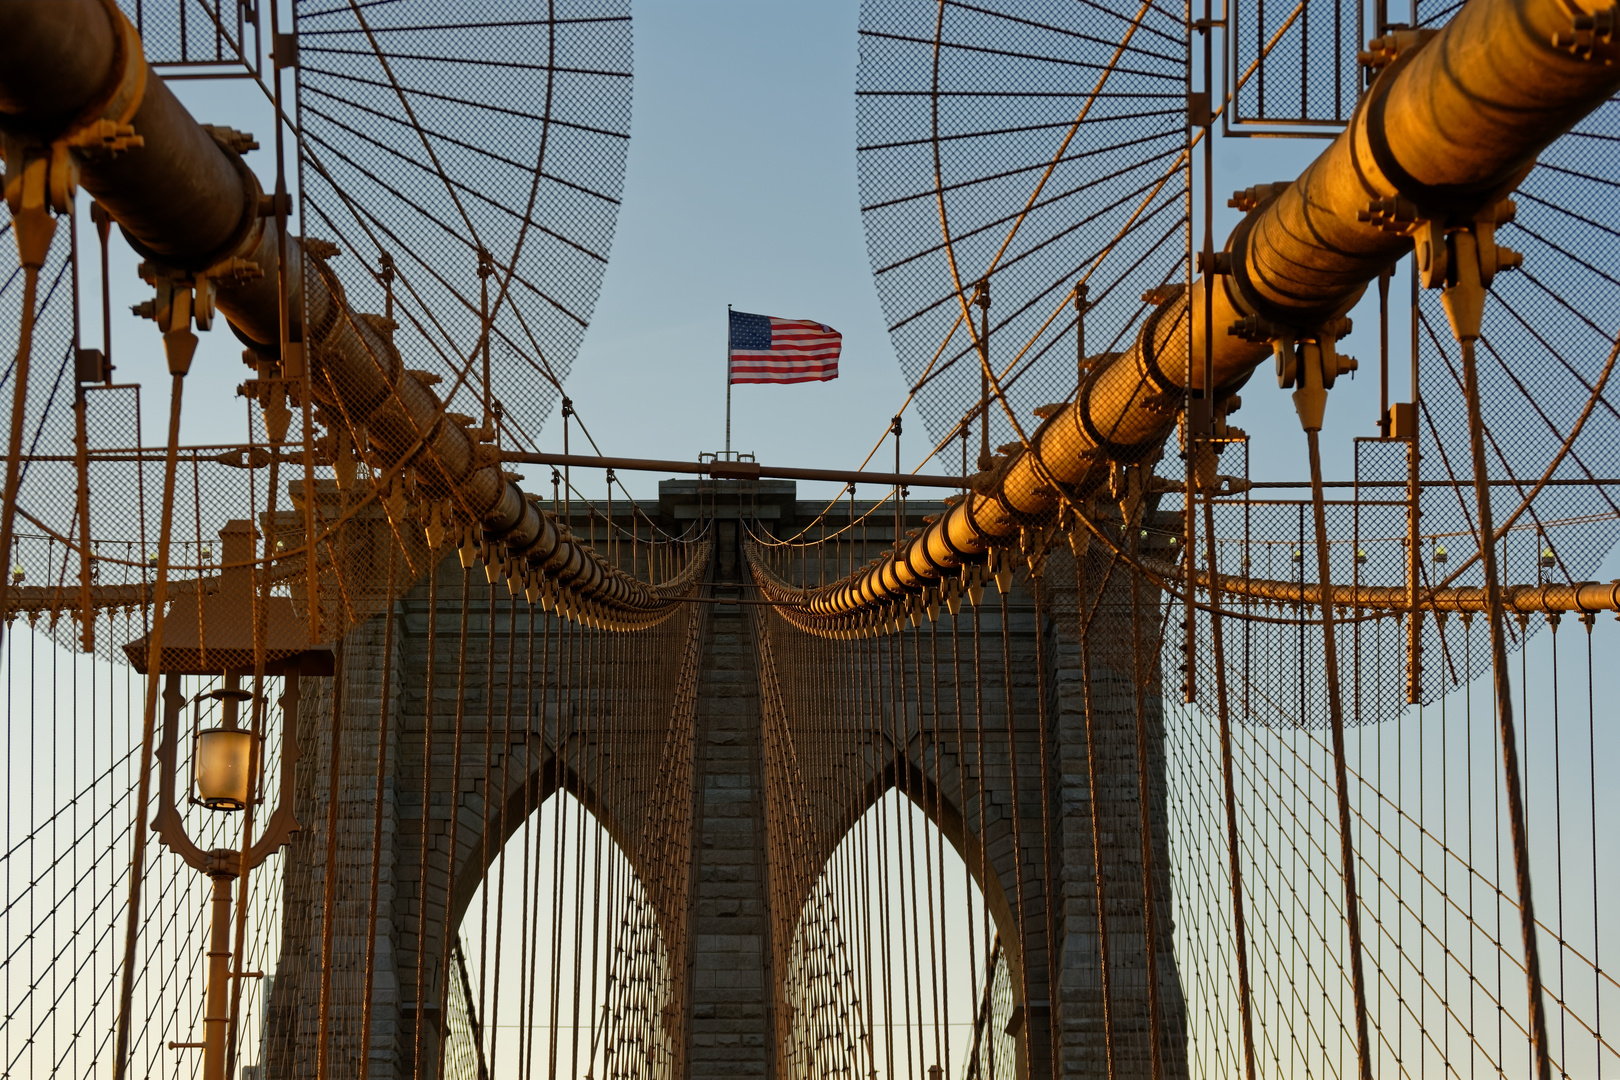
[560, 962]
[894, 957]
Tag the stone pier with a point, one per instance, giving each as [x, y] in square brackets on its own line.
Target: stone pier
[510, 761]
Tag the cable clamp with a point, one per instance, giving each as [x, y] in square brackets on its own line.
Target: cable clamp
[1436, 248]
[1588, 30]
[1398, 41]
[102, 136]
[1463, 262]
[31, 181]
[1035, 542]
[1253, 198]
[1126, 486]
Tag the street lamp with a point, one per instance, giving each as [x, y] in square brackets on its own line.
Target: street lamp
[228, 632]
[224, 758]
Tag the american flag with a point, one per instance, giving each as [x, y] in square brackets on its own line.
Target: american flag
[767, 350]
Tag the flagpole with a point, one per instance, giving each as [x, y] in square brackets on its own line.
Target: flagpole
[728, 380]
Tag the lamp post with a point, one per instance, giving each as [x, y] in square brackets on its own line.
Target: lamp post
[214, 633]
[228, 763]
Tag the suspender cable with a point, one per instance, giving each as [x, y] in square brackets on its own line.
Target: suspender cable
[1145, 803]
[427, 796]
[1503, 691]
[385, 714]
[451, 931]
[1016, 809]
[1051, 886]
[1229, 794]
[329, 890]
[1093, 801]
[1347, 850]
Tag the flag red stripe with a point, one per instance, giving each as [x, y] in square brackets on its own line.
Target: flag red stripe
[774, 372]
[793, 346]
[768, 372]
[770, 369]
[791, 379]
[774, 358]
[809, 356]
[782, 364]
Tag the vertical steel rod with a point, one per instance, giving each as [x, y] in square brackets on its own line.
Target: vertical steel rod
[154, 659]
[1414, 514]
[323, 1053]
[216, 1011]
[1347, 849]
[384, 713]
[1229, 792]
[728, 381]
[1504, 717]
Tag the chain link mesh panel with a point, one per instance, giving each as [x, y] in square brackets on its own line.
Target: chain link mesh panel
[1039, 149]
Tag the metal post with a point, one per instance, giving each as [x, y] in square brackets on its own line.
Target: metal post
[1081, 291]
[81, 449]
[568, 475]
[899, 510]
[486, 267]
[728, 380]
[1414, 515]
[981, 297]
[1383, 352]
[216, 1015]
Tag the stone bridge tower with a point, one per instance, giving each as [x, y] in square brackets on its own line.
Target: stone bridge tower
[1040, 864]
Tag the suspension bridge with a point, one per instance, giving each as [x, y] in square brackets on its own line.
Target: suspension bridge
[1093, 745]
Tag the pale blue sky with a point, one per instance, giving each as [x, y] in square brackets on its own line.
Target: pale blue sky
[741, 190]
